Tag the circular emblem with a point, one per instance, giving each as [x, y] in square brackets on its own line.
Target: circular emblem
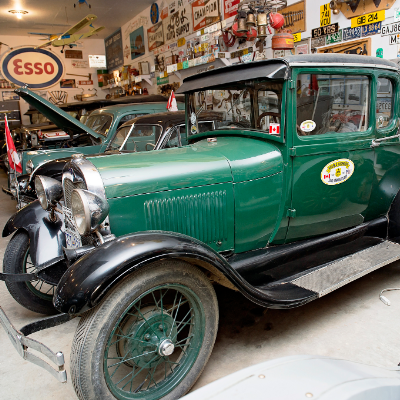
[308, 125]
[154, 13]
[37, 68]
[193, 118]
[193, 129]
[337, 171]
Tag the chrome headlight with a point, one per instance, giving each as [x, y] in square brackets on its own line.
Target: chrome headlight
[88, 210]
[48, 190]
[29, 167]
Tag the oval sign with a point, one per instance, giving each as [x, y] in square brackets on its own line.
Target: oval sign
[308, 125]
[37, 68]
[337, 171]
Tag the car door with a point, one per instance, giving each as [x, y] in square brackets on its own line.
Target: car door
[332, 159]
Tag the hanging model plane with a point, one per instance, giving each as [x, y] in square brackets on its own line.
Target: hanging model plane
[70, 36]
[82, 2]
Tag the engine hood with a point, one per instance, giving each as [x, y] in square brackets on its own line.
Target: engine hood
[59, 117]
[230, 159]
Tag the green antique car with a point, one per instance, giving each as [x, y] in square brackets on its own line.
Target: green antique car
[295, 194]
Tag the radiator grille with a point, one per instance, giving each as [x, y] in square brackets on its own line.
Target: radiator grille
[201, 216]
[69, 186]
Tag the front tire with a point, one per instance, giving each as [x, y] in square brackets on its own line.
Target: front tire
[35, 295]
[149, 339]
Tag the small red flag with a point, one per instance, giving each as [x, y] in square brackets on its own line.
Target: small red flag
[13, 158]
[171, 105]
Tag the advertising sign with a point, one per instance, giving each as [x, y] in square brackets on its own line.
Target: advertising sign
[204, 13]
[114, 50]
[230, 8]
[97, 61]
[155, 36]
[37, 68]
[79, 64]
[177, 25]
[137, 43]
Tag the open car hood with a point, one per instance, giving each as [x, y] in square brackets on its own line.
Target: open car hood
[59, 117]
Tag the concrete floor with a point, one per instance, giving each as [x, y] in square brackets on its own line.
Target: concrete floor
[350, 323]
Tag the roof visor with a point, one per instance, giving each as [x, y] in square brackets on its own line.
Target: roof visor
[267, 69]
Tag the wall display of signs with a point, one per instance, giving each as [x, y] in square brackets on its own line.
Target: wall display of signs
[361, 47]
[80, 64]
[67, 83]
[9, 95]
[365, 7]
[334, 38]
[136, 39]
[318, 42]
[230, 8]
[178, 24]
[325, 30]
[366, 19]
[204, 13]
[295, 17]
[155, 36]
[114, 50]
[351, 33]
[371, 29]
[324, 15]
[390, 29]
[73, 54]
[97, 61]
[154, 13]
[38, 68]
[88, 82]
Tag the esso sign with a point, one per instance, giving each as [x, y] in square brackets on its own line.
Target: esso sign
[37, 68]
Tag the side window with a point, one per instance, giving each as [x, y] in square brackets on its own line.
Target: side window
[384, 113]
[128, 118]
[332, 104]
[205, 126]
[269, 115]
[173, 141]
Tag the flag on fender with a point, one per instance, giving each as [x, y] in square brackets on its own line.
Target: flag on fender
[171, 105]
[13, 158]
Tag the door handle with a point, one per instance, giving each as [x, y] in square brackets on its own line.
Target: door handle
[377, 142]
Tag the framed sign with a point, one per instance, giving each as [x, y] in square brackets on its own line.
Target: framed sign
[38, 68]
[295, 17]
[73, 54]
[155, 36]
[177, 25]
[360, 47]
[230, 8]
[325, 30]
[114, 50]
[137, 43]
[97, 62]
[204, 13]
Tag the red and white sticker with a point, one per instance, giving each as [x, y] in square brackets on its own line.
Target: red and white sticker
[337, 171]
[51, 135]
[274, 129]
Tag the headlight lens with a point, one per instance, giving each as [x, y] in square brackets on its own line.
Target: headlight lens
[29, 167]
[48, 190]
[88, 210]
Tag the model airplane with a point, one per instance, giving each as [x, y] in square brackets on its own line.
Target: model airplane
[81, 2]
[70, 36]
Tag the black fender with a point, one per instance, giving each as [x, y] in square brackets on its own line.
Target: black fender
[89, 279]
[46, 238]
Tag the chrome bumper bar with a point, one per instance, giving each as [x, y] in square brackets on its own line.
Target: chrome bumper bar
[22, 343]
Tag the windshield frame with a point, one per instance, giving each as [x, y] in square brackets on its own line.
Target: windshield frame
[189, 97]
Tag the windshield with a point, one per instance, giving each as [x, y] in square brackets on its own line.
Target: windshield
[141, 138]
[99, 123]
[244, 105]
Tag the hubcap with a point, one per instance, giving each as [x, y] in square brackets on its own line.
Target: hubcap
[166, 348]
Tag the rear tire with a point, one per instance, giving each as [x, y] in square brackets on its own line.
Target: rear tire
[128, 330]
[35, 295]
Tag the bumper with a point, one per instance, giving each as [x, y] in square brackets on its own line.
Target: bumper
[23, 343]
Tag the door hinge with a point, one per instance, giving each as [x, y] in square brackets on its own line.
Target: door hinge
[292, 84]
[292, 151]
[291, 213]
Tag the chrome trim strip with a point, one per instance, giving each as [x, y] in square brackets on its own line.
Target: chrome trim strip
[333, 64]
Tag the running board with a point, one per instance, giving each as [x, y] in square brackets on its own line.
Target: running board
[332, 276]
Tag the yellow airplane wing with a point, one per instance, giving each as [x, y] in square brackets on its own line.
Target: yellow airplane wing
[81, 24]
[74, 38]
[44, 45]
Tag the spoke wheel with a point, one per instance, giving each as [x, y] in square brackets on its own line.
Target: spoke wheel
[35, 295]
[156, 329]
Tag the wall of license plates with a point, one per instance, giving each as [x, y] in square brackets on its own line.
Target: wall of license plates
[178, 38]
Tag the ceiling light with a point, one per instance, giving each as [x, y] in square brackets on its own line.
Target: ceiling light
[18, 13]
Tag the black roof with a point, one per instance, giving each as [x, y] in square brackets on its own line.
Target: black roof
[278, 68]
[171, 118]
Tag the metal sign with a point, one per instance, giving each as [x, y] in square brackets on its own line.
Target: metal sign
[371, 29]
[325, 15]
[38, 68]
[204, 13]
[325, 30]
[390, 29]
[177, 25]
[155, 36]
[334, 38]
[351, 33]
[368, 18]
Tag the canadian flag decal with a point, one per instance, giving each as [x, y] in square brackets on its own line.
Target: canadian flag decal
[274, 129]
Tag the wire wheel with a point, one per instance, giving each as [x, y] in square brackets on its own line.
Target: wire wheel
[154, 343]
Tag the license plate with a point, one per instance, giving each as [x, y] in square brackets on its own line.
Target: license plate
[72, 236]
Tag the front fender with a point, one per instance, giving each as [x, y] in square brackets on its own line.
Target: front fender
[46, 237]
[89, 279]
